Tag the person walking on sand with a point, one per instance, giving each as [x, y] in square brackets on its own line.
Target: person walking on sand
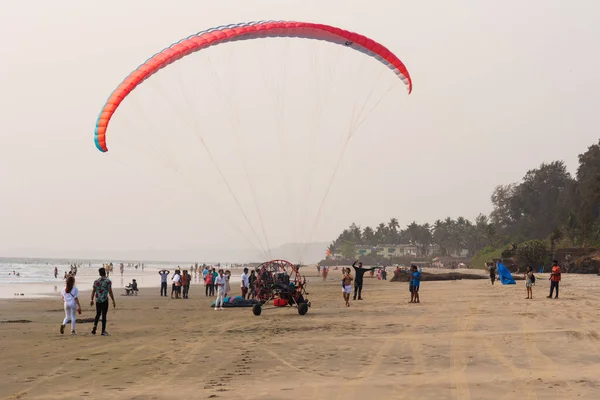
[415, 283]
[164, 274]
[245, 283]
[359, 272]
[220, 283]
[101, 290]
[70, 297]
[347, 286]
[529, 281]
[554, 279]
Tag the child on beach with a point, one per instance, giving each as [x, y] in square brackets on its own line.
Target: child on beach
[347, 286]
[529, 280]
[415, 283]
[69, 296]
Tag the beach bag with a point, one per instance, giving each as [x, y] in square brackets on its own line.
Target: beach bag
[533, 278]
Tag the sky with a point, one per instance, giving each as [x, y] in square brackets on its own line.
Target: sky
[499, 87]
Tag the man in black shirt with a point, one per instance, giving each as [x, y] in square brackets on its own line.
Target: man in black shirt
[359, 272]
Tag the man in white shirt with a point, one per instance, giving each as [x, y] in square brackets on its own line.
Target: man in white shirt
[245, 283]
[176, 288]
[220, 283]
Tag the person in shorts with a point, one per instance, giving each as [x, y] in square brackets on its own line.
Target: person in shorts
[529, 279]
[347, 286]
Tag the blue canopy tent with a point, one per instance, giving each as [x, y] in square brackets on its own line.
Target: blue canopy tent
[505, 275]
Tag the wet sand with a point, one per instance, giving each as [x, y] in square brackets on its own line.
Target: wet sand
[466, 340]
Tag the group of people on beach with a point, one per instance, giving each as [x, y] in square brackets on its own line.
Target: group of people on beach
[180, 283]
[358, 279]
[218, 283]
[530, 279]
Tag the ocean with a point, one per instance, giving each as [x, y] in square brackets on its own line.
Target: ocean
[34, 277]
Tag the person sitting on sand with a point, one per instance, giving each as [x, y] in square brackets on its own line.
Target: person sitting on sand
[415, 283]
[359, 272]
[70, 297]
[347, 286]
[529, 279]
[131, 288]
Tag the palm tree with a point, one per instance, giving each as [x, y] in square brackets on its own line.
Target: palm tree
[381, 233]
[369, 236]
[393, 226]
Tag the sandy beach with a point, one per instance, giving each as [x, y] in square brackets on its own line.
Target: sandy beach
[466, 340]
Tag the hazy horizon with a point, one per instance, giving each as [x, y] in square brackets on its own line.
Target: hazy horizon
[498, 89]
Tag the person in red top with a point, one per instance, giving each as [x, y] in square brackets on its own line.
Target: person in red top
[208, 285]
[554, 279]
[185, 283]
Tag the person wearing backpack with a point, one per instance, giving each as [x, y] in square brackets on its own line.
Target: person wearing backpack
[529, 282]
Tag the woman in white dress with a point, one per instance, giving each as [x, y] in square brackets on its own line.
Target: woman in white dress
[71, 300]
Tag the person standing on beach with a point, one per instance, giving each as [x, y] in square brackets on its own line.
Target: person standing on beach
[415, 283]
[359, 272]
[492, 270]
[186, 278]
[164, 274]
[227, 285]
[55, 272]
[176, 288]
[220, 283]
[554, 279]
[529, 280]
[245, 283]
[70, 297]
[252, 285]
[347, 286]
[208, 285]
[214, 279]
[101, 290]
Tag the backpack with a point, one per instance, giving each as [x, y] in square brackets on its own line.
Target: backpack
[532, 278]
